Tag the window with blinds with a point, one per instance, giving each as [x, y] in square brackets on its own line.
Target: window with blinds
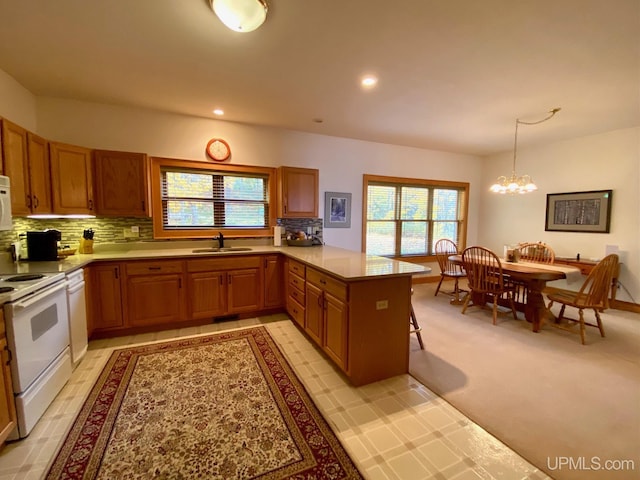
[202, 199]
[406, 217]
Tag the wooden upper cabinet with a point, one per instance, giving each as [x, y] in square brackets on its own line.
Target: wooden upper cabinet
[297, 192]
[26, 163]
[39, 174]
[16, 166]
[71, 179]
[122, 184]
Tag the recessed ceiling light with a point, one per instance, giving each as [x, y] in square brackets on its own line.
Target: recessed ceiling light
[369, 81]
[218, 111]
[317, 120]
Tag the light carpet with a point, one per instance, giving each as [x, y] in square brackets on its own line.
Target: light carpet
[218, 407]
[571, 410]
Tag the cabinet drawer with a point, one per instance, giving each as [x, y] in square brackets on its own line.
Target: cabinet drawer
[223, 263]
[152, 268]
[327, 283]
[296, 311]
[297, 295]
[296, 282]
[297, 268]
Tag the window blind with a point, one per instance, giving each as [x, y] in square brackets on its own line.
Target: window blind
[193, 199]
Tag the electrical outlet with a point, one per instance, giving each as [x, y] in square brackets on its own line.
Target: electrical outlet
[132, 232]
[382, 304]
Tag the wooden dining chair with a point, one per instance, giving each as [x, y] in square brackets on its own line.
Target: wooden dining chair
[535, 252]
[444, 248]
[592, 295]
[486, 280]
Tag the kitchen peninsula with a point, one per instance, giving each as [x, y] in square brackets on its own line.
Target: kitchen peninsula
[354, 306]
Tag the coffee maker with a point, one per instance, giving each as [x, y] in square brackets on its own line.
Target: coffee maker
[43, 245]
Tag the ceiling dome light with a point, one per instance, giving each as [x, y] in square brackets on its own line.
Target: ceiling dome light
[369, 81]
[218, 111]
[240, 15]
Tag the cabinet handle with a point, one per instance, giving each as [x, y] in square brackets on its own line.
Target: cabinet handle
[229, 280]
[36, 202]
[179, 282]
[9, 355]
[115, 270]
[155, 268]
[28, 201]
[285, 209]
[90, 204]
[323, 281]
[142, 204]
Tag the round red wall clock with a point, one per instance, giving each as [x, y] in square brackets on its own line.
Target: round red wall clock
[218, 150]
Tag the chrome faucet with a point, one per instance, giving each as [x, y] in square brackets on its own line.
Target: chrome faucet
[220, 239]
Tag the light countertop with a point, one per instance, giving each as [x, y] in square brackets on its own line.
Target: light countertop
[348, 265]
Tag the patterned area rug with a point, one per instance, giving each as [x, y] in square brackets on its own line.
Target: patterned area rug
[220, 406]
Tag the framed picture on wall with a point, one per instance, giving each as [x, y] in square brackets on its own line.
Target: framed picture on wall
[337, 210]
[579, 211]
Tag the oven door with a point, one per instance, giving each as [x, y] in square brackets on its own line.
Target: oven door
[37, 332]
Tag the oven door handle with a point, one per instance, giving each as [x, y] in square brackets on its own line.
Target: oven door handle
[38, 296]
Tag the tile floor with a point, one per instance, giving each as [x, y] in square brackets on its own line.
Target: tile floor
[394, 429]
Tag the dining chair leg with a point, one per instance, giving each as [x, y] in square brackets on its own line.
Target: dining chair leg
[582, 326]
[513, 308]
[599, 320]
[466, 302]
[495, 309]
[438, 287]
[416, 328]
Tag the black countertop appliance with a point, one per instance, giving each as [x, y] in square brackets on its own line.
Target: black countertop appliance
[43, 246]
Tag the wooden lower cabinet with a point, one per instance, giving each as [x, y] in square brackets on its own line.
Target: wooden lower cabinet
[7, 406]
[243, 290]
[314, 321]
[207, 294]
[154, 299]
[336, 330]
[362, 326]
[274, 285]
[104, 294]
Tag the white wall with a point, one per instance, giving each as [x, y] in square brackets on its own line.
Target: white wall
[17, 103]
[341, 161]
[598, 162]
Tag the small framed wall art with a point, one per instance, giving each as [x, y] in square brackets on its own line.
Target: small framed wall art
[579, 211]
[337, 210]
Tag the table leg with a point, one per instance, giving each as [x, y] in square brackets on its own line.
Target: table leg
[536, 311]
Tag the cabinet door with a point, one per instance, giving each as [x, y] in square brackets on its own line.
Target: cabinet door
[207, 294]
[336, 330]
[297, 192]
[7, 405]
[104, 294]
[121, 184]
[39, 174]
[154, 299]
[274, 285]
[16, 166]
[314, 313]
[243, 290]
[71, 179]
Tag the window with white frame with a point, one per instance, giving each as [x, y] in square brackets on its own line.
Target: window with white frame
[406, 217]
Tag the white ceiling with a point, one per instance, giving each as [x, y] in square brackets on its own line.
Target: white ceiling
[454, 74]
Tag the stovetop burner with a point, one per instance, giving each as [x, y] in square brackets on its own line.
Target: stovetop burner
[6, 289]
[24, 278]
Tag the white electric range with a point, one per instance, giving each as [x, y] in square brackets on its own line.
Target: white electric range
[37, 324]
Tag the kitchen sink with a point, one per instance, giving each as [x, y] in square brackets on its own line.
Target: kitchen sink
[223, 249]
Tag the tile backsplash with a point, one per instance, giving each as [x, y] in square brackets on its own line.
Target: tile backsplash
[111, 229]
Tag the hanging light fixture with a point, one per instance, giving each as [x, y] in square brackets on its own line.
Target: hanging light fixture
[514, 183]
[241, 15]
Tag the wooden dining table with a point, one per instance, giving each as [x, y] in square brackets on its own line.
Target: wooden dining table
[535, 277]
